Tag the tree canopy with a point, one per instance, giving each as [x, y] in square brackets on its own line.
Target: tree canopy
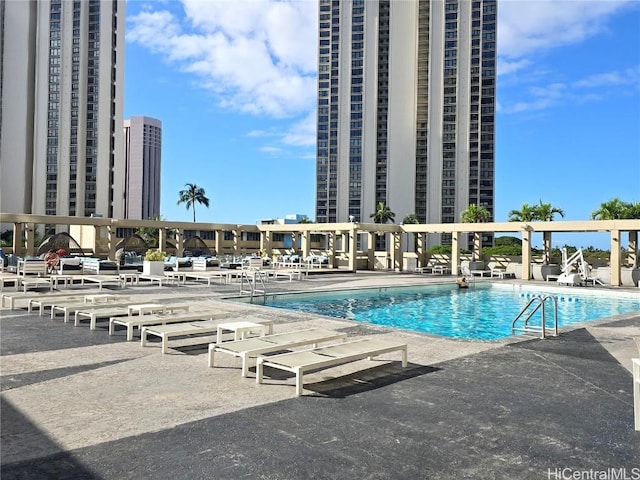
[616, 209]
[475, 214]
[191, 195]
[383, 213]
[543, 212]
[410, 219]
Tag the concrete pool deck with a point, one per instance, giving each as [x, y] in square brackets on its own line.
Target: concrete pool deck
[80, 404]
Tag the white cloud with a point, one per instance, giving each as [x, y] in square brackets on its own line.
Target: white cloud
[528, 26]
[271, 150]
[302, 133]
[255, 56]
[608, 79]
[259, 56]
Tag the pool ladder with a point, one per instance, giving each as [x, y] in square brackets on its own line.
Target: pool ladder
[249, 281]
[535, 304]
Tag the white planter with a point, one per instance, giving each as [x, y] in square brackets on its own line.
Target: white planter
[152, 268]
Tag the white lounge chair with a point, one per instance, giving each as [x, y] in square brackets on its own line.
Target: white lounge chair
[203, 327]
[499, 272]
[252, 347]
[325, 357]
[140, 321]
[40, 282]
[93, 314]
[103, 280]
[221, 276]
[12, 297]
[45, 301]
[67, 307]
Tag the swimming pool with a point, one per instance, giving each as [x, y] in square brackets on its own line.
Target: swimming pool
[483, 312]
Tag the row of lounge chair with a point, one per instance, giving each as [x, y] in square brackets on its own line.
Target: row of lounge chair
[168, 321]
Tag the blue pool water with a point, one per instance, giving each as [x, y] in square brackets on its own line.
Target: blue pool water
[481, 313]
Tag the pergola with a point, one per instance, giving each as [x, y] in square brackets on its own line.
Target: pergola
[348, 233]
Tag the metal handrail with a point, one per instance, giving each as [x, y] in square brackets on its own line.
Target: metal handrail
[257, 275]
[541, 305]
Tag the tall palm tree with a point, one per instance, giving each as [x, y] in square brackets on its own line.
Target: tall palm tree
[526, 214]
[611, 210]
[475, 214]
[191, 195]
[546, 211]
[382, 214]
[632, 211]
[410, 219]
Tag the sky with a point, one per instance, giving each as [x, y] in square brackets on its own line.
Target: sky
[234, 84]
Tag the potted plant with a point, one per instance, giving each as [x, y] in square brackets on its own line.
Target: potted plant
[153, 263]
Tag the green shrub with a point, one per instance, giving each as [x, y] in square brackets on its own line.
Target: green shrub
[155, 255]
[507, 250]
[445, 249]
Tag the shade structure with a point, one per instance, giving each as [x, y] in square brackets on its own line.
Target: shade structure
[61, 243]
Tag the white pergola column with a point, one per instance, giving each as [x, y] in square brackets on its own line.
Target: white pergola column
[353, 246]
[17, 239]
[371, 250]
[304, 245]
[30, 237]
[179, 232]
[455, 253]
[526, 254]
[162, 239]
[420, 243]
[615, 260]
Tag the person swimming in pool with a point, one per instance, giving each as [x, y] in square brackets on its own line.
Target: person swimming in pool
[462, 283]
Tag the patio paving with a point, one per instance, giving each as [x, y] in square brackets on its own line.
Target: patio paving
[81, 404]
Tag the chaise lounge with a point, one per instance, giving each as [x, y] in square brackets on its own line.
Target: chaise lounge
[140, 321]
[326, 357]
[203, 327]
[253, 347]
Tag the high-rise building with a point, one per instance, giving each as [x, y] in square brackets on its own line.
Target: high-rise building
[406, 108]
[142, 161]
[62, 77]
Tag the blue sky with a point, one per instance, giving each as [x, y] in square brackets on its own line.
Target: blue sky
[233, 82]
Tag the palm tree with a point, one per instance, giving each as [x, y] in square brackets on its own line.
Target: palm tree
[191, 195]
[526, 214]
[632, 211]
[148, 234]
[545, 212]
[305, 219]
[382, 214]
[410, 219]
[475, 214]
[612, 210]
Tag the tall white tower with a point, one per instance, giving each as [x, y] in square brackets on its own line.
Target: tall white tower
[406, 108]
[61, 107]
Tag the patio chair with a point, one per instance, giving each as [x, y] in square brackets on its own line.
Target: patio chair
[252, 347]
[326, 357]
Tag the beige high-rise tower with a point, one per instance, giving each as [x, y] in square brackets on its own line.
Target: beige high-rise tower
[406, 108]
[61, 107]
[142, 160]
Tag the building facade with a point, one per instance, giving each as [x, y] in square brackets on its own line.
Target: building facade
[406, 109]
[142, 164]
[61, 107]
